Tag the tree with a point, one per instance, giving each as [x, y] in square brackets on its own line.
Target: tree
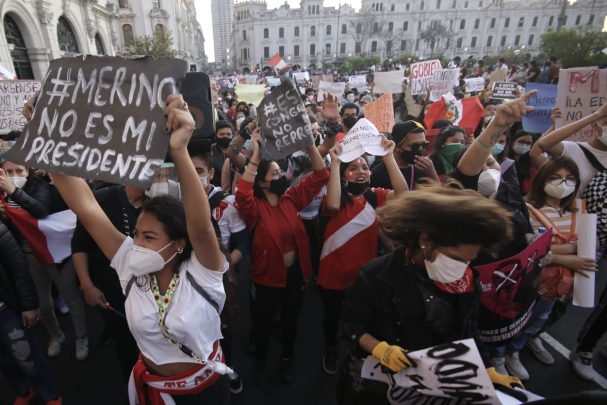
[361, 29]
[575, 47]
[433, 34]
[159, 45]
[359, 64]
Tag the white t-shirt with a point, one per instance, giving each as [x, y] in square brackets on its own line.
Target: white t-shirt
[191, 319]
[227, 216]
[573, 151]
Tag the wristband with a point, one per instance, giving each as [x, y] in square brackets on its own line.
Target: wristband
[482, 146]
[250, 172]
[253, 163]
[235, 148]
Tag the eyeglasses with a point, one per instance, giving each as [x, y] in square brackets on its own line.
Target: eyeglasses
[556, 181]
[417, 146]
[524, 143]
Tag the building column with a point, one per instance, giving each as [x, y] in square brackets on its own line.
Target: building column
[39, 58]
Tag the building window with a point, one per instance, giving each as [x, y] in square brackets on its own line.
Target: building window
[534, 24]
[156, 4]
[281, 51]
[403, 45]
[437, 4]
[296, 32]
[66, 37]
[359, 28]
[521, 22]
[244, 35]
[460, 40]
[492, 23]
[266, 52]
[473, 43]
[389, 46]
[565, 21]
[454, 5]
[266, 33]
[392, 7]
[344, 28]
[328, 49]
[296, 50]
[591, 20]
[281, 32]
[19, 55]
[390, 26]
[123, 3]
[421, 7]
[313, 31]
[507, 22]
[328, 30]
[160, 28]
[517, 39]
[342, 48]
[477, 23]
[407, 7]
[406, 26]
[357, 47]
[99, 45]
[489, 40]
[465, 4]
[462, 24]
[503, 43]
[312, 49]
[551, 20]
[375, 27]
[530, 42]
[127, 33]
[480, 4]
[578, 19]
[419, 26]
[417, 44]
[374, 46]
[317, 9]
[245, 53]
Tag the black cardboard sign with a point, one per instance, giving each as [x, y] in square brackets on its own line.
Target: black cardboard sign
[284, 122]
[504, 91]
[101, 118]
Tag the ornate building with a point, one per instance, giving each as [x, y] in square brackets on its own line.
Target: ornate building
[313, 35]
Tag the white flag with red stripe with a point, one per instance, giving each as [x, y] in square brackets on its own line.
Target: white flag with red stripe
[277, 62]
[49, 238]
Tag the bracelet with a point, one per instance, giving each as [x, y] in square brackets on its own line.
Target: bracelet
[253, 163]
[483, 146]
[250, 172]
[235, 148]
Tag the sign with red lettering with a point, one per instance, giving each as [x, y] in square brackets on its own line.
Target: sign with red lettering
[422, 74]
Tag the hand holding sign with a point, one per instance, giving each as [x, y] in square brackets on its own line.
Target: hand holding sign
[334, 153]
[508, 113]
[179, 122]
[363, 137]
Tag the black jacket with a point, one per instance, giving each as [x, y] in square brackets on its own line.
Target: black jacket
[35, 197]
[398, 303]
[17, 288]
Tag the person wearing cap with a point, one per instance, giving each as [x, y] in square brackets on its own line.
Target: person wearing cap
[364, 101]
[410, 140]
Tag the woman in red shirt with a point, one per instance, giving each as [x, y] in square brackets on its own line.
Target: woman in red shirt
[280, 259]
[351, 234]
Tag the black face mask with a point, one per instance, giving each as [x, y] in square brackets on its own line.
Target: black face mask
[224, 142]
[349, 122]
[357, 188]
[245, 112]
[409, 155]
[279, 186]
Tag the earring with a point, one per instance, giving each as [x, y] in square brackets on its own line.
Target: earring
[423, 247]
[180, 250]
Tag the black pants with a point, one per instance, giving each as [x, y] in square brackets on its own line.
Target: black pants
[315, 247]
[332, 303]
[595, 327]
[265, 302]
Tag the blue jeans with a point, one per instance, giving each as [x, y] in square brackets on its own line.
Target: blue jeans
[20, 359]
[541, 313]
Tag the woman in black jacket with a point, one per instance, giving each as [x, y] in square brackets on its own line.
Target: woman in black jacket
[20, 359]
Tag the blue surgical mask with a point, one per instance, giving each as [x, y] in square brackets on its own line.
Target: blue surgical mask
[497, 149]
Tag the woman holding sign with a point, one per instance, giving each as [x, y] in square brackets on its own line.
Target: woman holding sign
[280, 259]
[349, 232]
[171, 274]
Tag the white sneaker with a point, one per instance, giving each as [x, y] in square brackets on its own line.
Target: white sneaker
[54, 347]
[82, 348]
[582, 364]
[500, 365]
[515, 367]
[539, 351]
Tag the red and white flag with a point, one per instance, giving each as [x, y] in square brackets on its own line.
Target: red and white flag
[466, 113]
[49, 238]
[277, 62]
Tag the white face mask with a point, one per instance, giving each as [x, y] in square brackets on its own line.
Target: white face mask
[445, 269]
[157, 189]
[560, 191]
[488, 182]
[239, 121]
[18, 181]
[350, 98]
[603, 137]
[205, 181]
[487, 119]
[145, 261]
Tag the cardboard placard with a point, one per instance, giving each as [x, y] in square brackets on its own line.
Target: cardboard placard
[358, 82]
[327, 78]
[500, 75]
[509, 292]
[336, 88]
[475, 84]
[301, 77]
[381, 113]
[447, 374]
[316, 81]
[388, 82]
[101, 118]
[284, 122]
[250, 79]
[363, 137]
[13, 94]
[422, 74]
[539, 120]
[581, 91]
[443, 82]
[504, 90]
[251, 93]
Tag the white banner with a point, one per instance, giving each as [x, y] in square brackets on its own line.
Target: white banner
[388, 82]
[358, 82]
[422, 74]
[301, 76]
[13, 94]
[475, 84]
[443, 82]
[363, 137]
[335, 88]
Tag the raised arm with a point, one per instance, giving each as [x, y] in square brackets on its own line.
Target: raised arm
[238, 159]
[538, 158]
[399, 184]
[477, 154]
[195, 202]
[333, 201]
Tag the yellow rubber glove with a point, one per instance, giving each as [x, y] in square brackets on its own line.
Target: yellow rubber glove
[506, 384]
[393, 357]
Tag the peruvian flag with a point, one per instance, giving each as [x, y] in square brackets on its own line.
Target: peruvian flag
[466, 113]
[6, 74]
[50, 238]
[277, 62]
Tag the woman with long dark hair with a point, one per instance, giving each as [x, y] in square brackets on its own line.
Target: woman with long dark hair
[446, 144]
[518, 149]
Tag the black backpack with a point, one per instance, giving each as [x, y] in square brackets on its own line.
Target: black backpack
[596, 195]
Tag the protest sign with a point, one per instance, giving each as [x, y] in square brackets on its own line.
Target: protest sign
[250, 79]
[422, 74]
[327, 78]
[388, 82]
[381, 113]
[509, 292]
[451, 373]
[337, 89]
[443, 82]
[316, 81]
[363, 137]
[581, 91]
[251, 93]
[300, 77]
[504, 91]
[13, 93]
[101, 118]
[500, 75]
[215, 92]
[284, 122]
[475, 84]
[358, 82]
[273, 81]
[539, 120]
[6, 74]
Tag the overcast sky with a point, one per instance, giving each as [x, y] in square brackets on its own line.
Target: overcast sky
[203, 11]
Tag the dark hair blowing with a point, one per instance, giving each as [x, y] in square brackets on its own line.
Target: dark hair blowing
[262, 171]
[537, 195]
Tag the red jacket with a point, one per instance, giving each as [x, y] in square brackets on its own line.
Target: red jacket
[267, 262]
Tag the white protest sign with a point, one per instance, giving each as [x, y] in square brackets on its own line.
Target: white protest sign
[443, 82]
[301, 76]
[6, 74]
[273, 81]
[335, 88]
[581, 91]
[363, 137]
[250, 79]
[453, 371]
[388, 82]
[422, 74]
[13, 93]
[475, 84]
[358, 82]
